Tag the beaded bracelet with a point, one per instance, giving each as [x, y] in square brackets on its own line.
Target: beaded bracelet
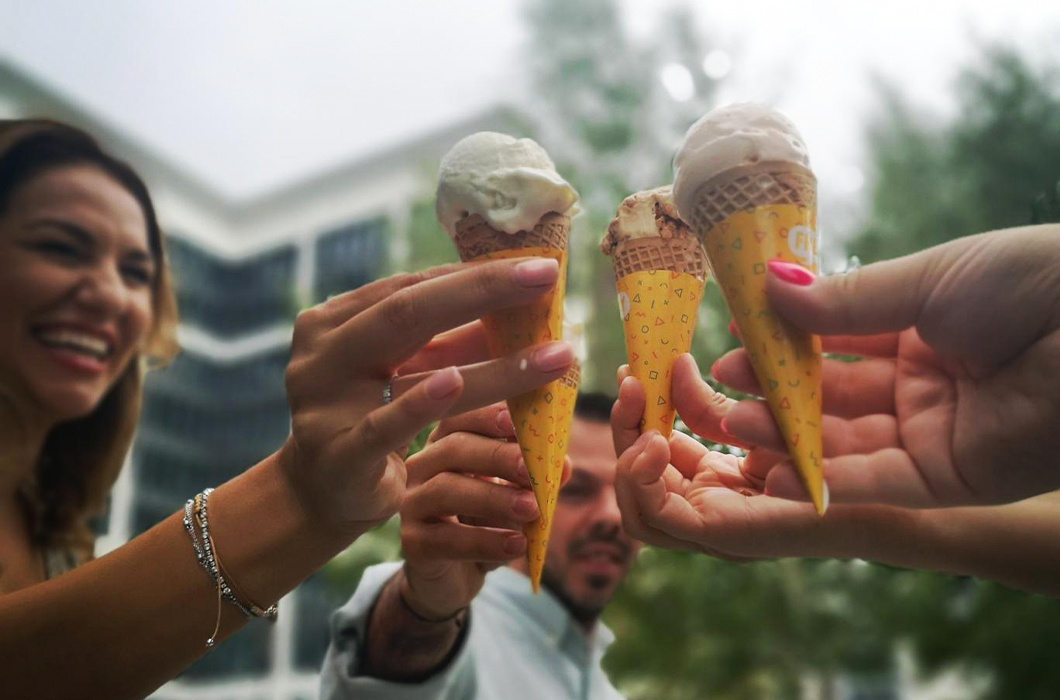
[195, 513]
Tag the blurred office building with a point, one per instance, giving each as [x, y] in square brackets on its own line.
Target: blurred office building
[242, 271]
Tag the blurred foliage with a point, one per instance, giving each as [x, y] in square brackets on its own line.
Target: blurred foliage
[690, 626]
[1046, 207]
[995, 165]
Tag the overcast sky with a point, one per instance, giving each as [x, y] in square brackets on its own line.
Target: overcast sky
[248, 95]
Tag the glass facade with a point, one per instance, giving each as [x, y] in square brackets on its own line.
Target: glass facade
[348, 257]
[229, 299]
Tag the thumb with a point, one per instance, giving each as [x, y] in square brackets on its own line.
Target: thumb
[878, 298]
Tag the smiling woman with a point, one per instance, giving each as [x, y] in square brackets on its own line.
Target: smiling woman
[84, 304]
[79, 242]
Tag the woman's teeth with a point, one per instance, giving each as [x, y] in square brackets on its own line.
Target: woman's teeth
[77, 342]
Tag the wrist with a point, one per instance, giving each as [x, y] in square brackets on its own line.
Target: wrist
[882, 534]
[285, 462]
[428, 609]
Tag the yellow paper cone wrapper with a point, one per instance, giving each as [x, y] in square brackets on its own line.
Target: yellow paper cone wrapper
[786, 360]
[542, 417]
[658, 310]
[543, 430]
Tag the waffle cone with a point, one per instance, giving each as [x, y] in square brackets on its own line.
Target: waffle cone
[677, 254]
[746, 217]
[542, 417]
[475, 238]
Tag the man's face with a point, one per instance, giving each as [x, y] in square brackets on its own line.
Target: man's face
[589, 554]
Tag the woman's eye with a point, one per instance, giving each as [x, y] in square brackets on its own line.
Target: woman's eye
[58, 248]
[138, 274]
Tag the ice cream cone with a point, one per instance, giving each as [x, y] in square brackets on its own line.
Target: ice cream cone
[747, 216]
[548, 414]
[542, 417]
[660, 270]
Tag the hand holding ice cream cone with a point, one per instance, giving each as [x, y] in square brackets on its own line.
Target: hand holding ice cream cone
[743, 181]
[501, 197]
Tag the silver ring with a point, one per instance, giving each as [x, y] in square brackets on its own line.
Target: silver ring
[388, 391]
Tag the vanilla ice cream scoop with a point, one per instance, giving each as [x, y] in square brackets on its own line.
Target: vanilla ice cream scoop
[509, 182]
[729, 137]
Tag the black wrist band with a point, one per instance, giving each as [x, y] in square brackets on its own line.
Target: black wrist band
[457, 616]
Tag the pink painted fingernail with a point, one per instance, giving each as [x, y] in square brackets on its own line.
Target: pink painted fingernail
[733, 330]
[554, 356]
[443, 383]
[724, 426]
[714, 369]
[536, 273]
[791, 273]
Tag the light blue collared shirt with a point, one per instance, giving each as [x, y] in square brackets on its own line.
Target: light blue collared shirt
[518, 647]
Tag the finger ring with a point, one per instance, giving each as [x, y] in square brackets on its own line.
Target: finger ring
[388, 391]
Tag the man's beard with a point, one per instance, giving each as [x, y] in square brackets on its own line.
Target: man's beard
[585, 613]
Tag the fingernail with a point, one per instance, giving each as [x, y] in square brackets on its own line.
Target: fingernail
[536, 273]
[714, 369]
[516, 544]
[553, 356]
[523, 474]
[504, 421]
[733, 330]
[525, 505]
[695, 364]
[644, 439]
[791, 273]
[724, 425]
[443, 383]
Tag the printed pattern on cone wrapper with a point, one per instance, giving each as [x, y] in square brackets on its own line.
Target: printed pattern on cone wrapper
[786, 360]
[546, 416]
[658, 309]
[542, 417]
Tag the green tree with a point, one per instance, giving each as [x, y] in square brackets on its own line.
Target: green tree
[937, 181]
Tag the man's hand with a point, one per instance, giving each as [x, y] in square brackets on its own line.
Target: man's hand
[468, 496]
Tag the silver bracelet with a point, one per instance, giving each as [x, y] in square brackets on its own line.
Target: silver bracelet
[211, 560]
[196, 509]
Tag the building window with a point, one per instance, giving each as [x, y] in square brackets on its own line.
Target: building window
[348, 257]
[233, 298]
